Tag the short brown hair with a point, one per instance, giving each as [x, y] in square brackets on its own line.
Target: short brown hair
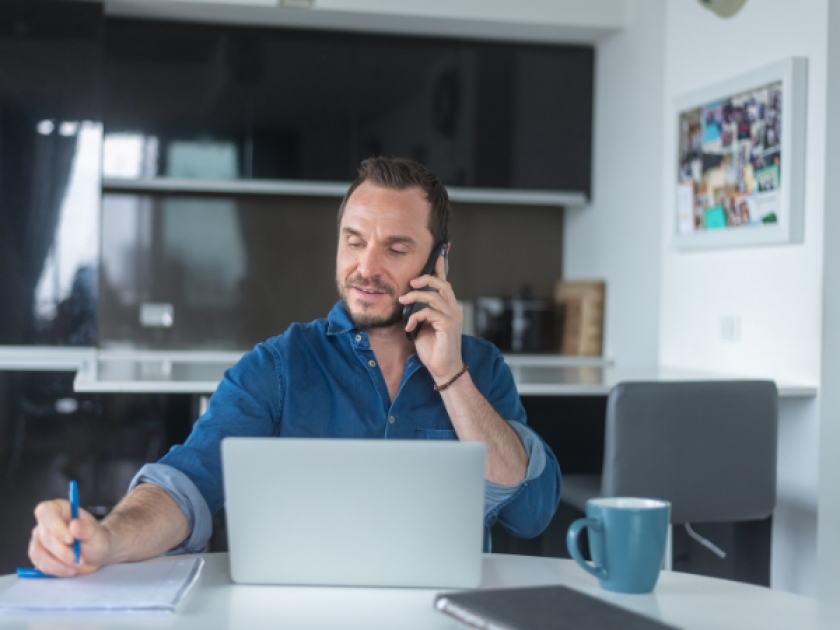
[401, 174]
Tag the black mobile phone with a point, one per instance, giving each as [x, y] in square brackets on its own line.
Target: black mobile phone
[409, 309]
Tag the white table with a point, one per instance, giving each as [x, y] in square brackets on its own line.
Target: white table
[680, 599]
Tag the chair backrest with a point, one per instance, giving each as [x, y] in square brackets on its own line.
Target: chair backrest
[708, 447]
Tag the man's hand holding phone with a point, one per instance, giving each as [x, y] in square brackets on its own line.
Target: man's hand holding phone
[438, 341]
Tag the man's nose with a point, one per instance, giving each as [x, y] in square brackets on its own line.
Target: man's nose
[370, 262]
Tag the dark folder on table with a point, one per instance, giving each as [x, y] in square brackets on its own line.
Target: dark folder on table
[540, 608]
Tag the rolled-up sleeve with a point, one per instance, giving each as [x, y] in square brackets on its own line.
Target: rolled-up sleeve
[189, 499]
[494, 494]
[525, 509]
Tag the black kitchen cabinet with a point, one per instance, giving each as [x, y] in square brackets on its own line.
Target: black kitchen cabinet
[210, 101]
[50, 145]
[87, 99]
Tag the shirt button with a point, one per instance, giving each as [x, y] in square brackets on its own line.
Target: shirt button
[372, 363]
[392, 419]
[358, 337]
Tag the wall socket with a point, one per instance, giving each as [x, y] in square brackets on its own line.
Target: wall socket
[730, 328]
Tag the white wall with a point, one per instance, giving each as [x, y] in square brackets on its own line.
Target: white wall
[794, 549]
[617, 237]
[776, 291]
[829, 512]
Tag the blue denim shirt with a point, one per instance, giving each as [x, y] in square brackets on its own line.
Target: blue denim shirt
[322, 380]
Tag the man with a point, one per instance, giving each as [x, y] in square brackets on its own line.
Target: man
[354, 374]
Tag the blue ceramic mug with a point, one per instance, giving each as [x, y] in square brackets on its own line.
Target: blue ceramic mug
[627, 538]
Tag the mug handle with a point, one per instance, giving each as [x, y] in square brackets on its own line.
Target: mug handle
[572, 544]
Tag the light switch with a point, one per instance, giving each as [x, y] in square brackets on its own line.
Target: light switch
[730, 328]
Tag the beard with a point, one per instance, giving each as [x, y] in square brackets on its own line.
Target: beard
[368, 321]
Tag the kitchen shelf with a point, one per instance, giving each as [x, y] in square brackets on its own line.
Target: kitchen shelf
[46, 358]
[331, 189]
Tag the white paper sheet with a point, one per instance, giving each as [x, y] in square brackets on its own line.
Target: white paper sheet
[153, 586]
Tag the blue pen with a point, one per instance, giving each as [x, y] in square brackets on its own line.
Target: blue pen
[32, 573]
[74, 513]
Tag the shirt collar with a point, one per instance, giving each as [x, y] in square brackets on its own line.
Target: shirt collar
[338, 321]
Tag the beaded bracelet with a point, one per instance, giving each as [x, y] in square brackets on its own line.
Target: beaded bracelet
[439, 388]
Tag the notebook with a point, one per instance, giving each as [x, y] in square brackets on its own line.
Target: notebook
[155, 586]
[540, 608]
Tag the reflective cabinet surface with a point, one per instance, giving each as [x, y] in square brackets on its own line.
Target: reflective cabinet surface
[83, 96]
[213, 272]
[219, 102]
[188, 272]
[50, 146]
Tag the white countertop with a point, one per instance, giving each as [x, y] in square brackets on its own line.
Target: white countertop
[199, 372]
[684, 600]
[535, 375]
[598, 381]
[46, 358]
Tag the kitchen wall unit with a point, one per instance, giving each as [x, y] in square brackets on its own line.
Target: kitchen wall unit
[213, 102]
[50, 146]
[191, 171]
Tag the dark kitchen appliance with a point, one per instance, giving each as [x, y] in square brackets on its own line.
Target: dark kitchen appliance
[519, 324]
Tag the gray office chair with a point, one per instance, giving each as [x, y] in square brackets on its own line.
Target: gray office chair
[708, 447]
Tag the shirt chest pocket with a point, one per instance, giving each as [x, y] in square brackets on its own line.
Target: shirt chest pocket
[436, 434]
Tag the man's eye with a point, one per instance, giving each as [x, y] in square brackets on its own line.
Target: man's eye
[353, 244]
[398, 252]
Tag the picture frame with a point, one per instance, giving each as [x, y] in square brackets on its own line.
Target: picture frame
[741, 159]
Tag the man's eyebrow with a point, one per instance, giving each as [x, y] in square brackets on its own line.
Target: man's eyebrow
[397, 238]
[400, 239]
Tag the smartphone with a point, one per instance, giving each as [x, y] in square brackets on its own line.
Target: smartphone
[409, 309]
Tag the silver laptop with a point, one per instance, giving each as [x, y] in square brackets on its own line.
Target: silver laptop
[354, 512]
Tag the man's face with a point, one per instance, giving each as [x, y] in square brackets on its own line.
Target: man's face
[383, 243]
